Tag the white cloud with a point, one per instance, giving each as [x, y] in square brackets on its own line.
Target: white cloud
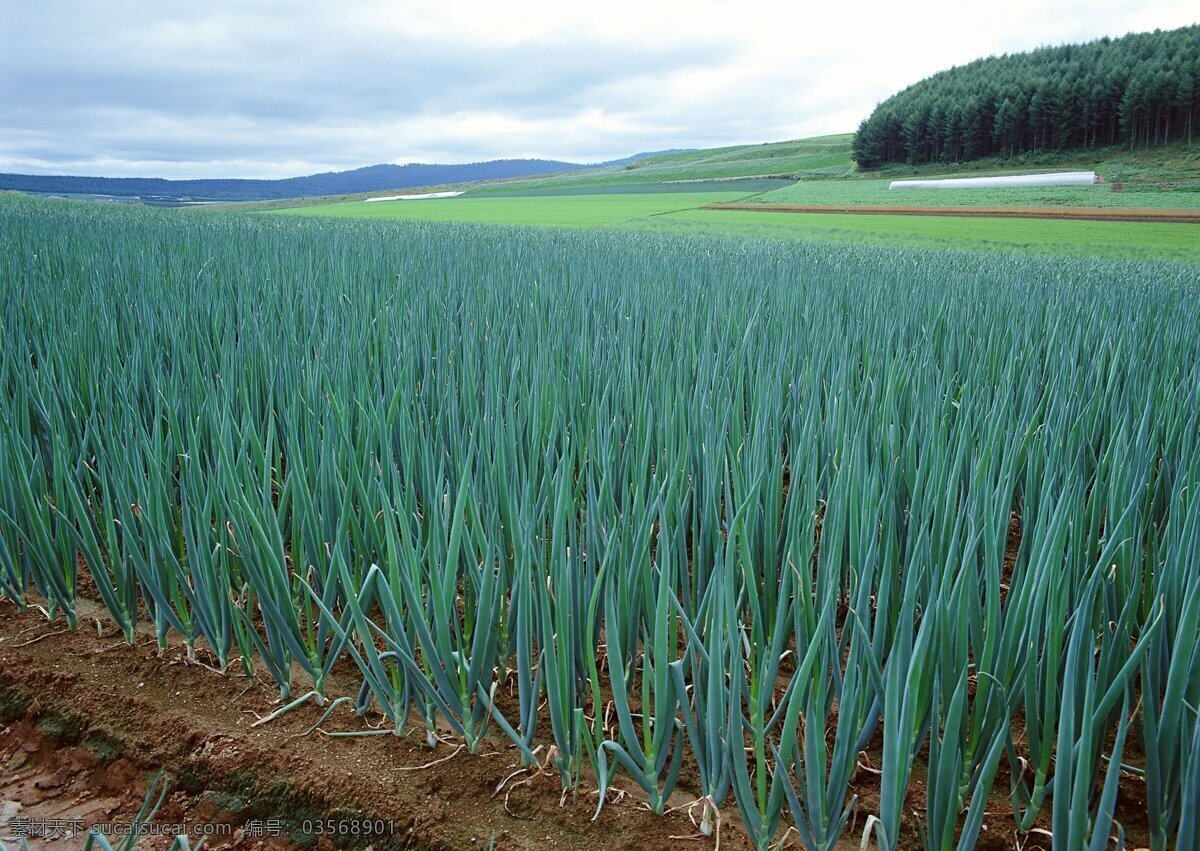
[276, 88]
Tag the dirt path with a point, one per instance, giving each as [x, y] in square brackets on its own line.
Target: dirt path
[1087, 214]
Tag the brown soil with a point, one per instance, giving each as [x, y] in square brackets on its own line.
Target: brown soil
[52, 792]
[1090, 214]
[86, 721]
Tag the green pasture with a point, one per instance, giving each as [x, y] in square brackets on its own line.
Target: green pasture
[556, 211]
[1139, 240]
[664, 193]
[747, 186]
[867, 192]
[826, 156]
[681, 213]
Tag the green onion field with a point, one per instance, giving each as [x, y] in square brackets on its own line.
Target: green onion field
[828, 542]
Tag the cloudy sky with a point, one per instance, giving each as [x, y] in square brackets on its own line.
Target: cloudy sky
[284, 87]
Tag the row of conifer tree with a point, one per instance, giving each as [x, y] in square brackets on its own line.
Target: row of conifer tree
[1140, 90]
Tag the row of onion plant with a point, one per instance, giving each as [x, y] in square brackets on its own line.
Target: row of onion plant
[750, 527]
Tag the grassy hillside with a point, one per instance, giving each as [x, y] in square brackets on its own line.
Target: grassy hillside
[824, 156]
[821, 167]
[828, 159]
[666, 193]
[1114, 163]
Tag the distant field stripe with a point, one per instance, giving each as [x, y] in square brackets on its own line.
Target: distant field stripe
[549, 211]
[745, 186]
[1147, 240]
[1091, 214]
[777, 177]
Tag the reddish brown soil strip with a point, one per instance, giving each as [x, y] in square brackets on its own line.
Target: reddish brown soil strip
[1086, 214]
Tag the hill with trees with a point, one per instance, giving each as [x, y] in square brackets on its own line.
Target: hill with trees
[1140, 90]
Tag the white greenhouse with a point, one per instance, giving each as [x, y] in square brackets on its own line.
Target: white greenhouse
[420, 197]
[1063, 178]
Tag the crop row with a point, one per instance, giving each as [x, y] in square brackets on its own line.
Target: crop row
[751, 508]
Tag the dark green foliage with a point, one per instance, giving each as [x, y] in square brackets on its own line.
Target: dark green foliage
[1141, 90]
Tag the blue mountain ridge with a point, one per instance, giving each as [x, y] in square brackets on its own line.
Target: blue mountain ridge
[373, 178]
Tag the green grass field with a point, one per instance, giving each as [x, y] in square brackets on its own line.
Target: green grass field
[1112, 163]
[680, 213]
[827, 156]
[745, 185]
[870, 192]
[555, 211]
[1137, 240]
[663, 193]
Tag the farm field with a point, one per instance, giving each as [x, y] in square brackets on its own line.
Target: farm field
[681, 213]
[867, 192]
[828, 162]
[558, 211]
[665, 193]
[509, 537]
[1136, 240]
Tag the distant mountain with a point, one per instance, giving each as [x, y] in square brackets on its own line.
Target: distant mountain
[373, 178]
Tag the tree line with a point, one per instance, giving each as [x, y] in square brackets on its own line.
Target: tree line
[1140, 90]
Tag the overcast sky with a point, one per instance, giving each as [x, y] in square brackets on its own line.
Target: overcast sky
[272, 89]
